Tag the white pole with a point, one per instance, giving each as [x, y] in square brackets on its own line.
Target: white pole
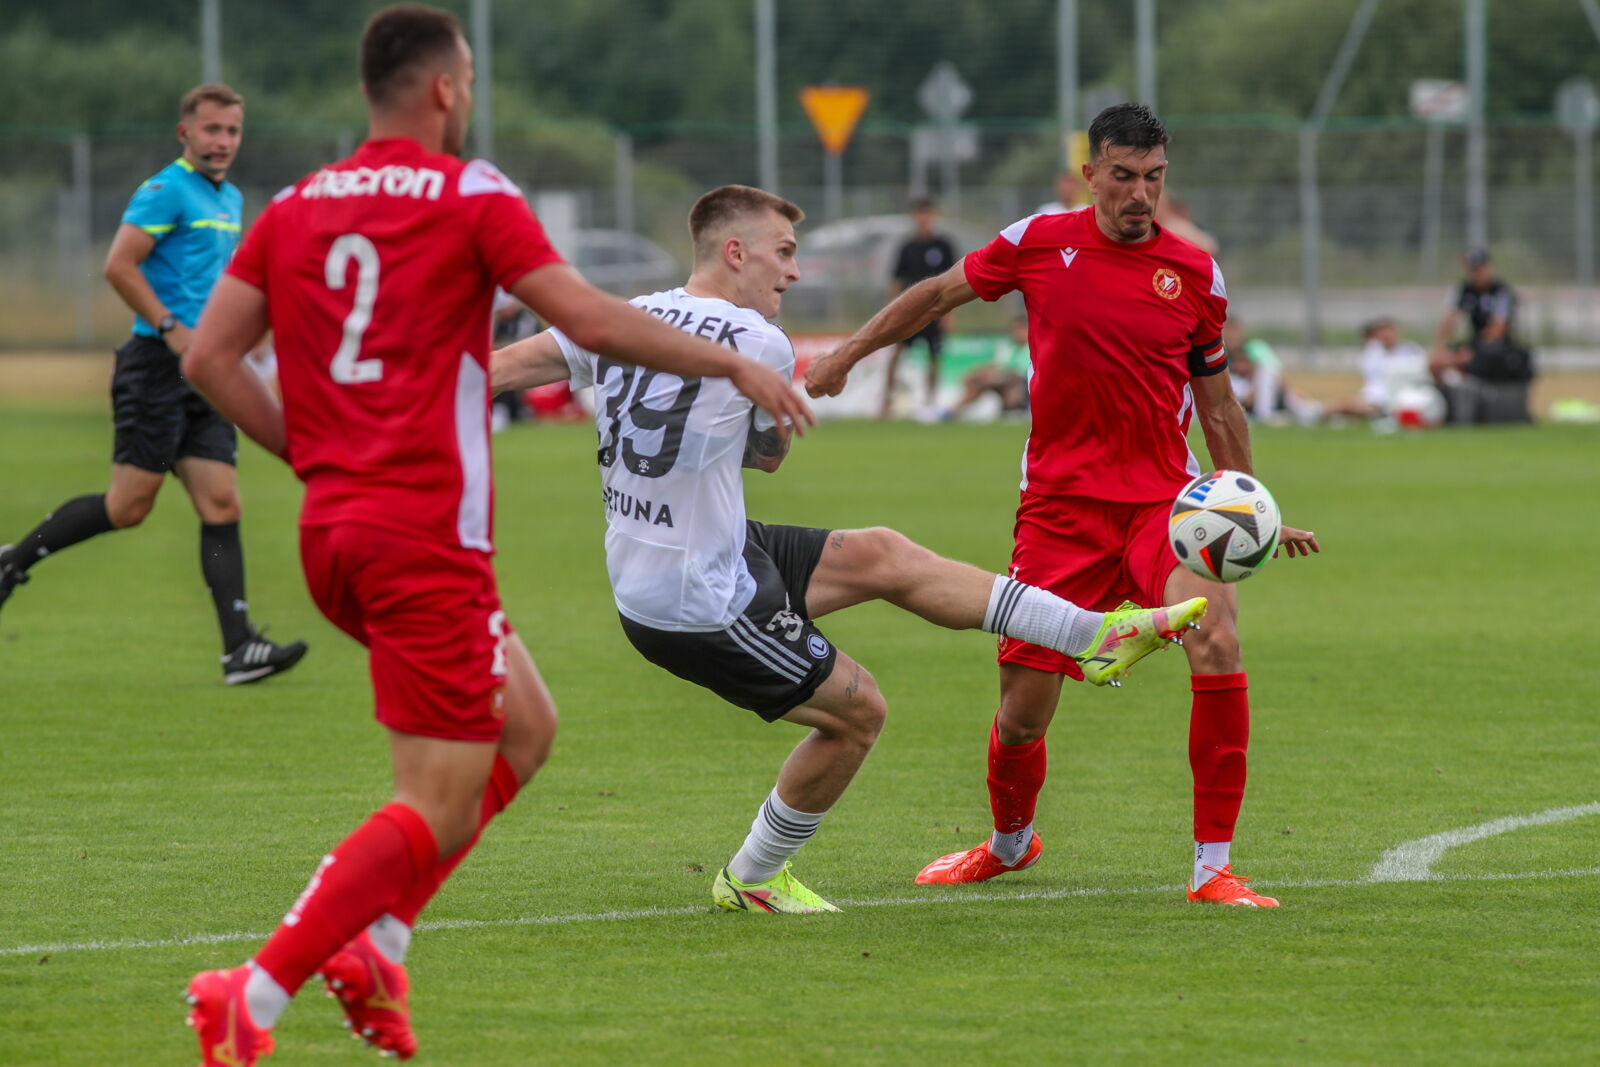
[1145, 51]
[624, 182]
[210, 41]
[483, 87]
[767, 95]
[1432, 198]
[1477, 132]
[1067, 74]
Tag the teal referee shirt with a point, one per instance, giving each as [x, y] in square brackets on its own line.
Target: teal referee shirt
[196, 224]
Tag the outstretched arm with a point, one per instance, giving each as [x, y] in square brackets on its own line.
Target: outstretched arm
[524, 364]
[904, 316]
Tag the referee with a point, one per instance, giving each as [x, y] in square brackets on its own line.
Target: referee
[178, 233]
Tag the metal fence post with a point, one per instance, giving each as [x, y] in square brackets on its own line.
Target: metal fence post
[623, 179]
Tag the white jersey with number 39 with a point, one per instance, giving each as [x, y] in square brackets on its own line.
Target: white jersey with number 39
[670, 455]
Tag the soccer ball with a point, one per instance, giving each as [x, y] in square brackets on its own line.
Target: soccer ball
[1224, 526]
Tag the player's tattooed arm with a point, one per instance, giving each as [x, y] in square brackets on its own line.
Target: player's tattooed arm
[764, 449]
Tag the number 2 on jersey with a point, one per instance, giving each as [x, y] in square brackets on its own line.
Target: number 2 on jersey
[347, 368]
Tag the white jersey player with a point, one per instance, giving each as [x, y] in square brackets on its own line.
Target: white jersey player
[728, 603]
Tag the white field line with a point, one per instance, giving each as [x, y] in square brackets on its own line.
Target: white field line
[888, 902]
[1413, 861]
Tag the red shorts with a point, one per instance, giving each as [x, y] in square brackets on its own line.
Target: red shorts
[1096, 553]
[429, 616]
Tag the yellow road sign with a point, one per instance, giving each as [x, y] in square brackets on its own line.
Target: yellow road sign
[834, 111]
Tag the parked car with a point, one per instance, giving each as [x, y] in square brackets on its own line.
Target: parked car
[626, 262]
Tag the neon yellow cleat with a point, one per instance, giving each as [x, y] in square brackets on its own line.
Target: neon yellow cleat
[1131, 633]
[782, 894]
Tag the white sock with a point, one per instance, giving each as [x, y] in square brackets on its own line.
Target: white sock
[1212, 854]
[777, 833]
[1010, 848]
[264, 997]
[391, 937]
[1038, 617]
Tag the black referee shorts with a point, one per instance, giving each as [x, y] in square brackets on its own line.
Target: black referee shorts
[933, 336]
[159, 419]
[772, 658]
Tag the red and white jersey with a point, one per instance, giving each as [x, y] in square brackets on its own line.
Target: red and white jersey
[1115, 331]
[379, 273]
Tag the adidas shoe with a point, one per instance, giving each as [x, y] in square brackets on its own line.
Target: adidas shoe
[976, 865]
[1225, 887]
[221, 1019]
[1131, 633]
[11, 575]
[782, 894]
[258, 658]
[372, 992]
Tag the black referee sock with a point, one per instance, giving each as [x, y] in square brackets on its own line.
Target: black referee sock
[78, 519]
[222, 563]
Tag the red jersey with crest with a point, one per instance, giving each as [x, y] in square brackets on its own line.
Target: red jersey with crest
[379, 273]
[1115, 332]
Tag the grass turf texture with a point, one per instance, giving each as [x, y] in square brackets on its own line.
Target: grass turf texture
[1432, 670]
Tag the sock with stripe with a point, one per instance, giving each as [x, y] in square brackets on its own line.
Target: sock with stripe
[358, 881]
[1016, 775]
[1219, 735]
[1039, 617]
[775, 836]
[78, 519]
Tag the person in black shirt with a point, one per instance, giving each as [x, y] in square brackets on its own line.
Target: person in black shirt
[1492, 367]
[924, 255]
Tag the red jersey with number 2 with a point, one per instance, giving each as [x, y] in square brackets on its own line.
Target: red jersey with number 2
[1115, 332]
[379, 273]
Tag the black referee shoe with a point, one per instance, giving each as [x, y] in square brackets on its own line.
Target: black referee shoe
[10, 576]
[257, 658]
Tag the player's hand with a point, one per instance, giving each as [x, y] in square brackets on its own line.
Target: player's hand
[770, 392]
[179, 338]
[826, 375]
[1297, 542]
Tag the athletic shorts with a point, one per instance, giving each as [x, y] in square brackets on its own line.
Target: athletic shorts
[1096, 553]
[429, 615]
[159, 419]
[773, 657]
[933, 336]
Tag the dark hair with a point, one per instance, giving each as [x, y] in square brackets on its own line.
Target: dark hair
[924, 203]
[397, 42]
[1126, 126]
[726, 203]
[215, 93]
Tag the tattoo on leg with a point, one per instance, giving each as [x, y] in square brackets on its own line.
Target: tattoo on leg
[837, 540]
[855, 682]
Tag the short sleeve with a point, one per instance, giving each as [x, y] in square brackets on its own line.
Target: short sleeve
[156, 207]
[249, 264]
[992, 269]
[580, 361]
[1207, 356]
[508, 236]
[777, 353]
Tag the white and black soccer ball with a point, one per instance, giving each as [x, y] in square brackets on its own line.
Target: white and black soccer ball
[1224, 526]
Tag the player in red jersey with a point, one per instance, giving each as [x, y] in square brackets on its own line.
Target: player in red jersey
[1124, 326]
[376, 275]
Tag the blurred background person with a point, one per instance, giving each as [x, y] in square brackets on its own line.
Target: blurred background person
[1487, 375]
[925, 254]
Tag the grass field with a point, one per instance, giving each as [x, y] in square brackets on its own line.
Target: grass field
[1432, 671]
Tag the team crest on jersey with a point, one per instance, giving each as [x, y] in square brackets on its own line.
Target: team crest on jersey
[1167, 284]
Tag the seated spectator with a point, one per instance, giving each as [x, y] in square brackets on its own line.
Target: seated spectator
[1395, 376]
[1486, 376]
[1006, 375]
[1259, 381]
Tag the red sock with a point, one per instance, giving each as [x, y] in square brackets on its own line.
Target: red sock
[355, 883]
[1219, 734]
[1016, 774]
[502, 786]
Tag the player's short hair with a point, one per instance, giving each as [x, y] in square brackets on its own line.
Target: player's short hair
[398, 41]
[924, 203]
[216, 93]
[1126, 126]
[722, 205]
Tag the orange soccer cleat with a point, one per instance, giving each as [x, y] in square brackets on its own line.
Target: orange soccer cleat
[1230, 888]
[372, 992]
[975, 865]
[221, 1019]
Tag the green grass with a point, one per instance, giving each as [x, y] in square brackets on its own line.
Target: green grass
[1433, 669]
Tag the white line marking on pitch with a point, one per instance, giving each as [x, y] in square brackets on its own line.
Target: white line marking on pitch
[1414, 860]
[657, 913]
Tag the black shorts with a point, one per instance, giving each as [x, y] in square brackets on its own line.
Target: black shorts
[773, 657]
[933, 336]
[159, 419]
